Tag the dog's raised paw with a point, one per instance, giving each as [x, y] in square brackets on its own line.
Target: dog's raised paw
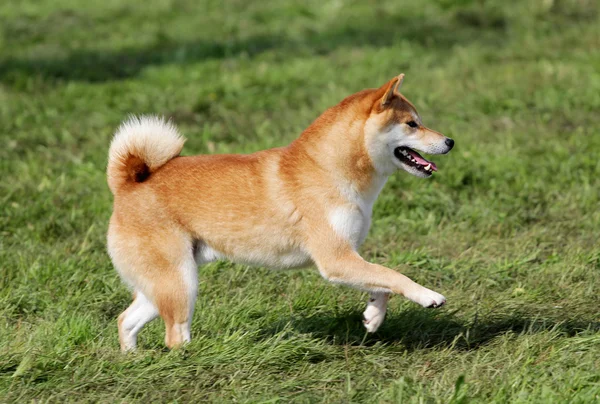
[435, 305]
[429, 299]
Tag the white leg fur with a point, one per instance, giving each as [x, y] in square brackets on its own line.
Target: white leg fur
[133, 320]
[427, 298]
[189, 272]
[183, 329]
[374, 314]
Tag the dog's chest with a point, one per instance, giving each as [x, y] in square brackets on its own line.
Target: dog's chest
[350, 223]
[352, 219]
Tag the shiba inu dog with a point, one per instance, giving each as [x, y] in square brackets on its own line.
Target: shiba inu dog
[309, 203]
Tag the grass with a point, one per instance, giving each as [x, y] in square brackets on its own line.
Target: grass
[507, 230]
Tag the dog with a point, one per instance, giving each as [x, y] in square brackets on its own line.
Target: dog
[309, 203]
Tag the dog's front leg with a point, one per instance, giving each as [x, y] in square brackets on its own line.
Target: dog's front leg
[353, 271]
[374, 314]
[339, 263]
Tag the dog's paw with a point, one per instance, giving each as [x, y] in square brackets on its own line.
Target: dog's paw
[429, 299]
[374, 314]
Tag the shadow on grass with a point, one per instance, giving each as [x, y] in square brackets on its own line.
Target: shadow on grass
[375, 31]
[418, 329]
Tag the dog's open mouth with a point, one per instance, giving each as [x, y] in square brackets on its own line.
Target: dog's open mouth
[413, 159]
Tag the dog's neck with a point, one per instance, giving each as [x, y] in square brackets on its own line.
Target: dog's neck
[335, 142]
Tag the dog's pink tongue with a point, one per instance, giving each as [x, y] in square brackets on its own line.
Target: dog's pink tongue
[421, 160]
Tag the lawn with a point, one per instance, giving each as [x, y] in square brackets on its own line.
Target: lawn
[507, 230]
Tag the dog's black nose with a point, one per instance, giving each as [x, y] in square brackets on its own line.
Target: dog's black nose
[449, 143]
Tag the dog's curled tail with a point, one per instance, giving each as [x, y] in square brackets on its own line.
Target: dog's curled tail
[140, 146]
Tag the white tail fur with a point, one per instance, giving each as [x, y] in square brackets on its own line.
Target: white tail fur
[140, 146]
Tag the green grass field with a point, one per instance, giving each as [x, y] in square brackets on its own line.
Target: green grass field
[507, 230]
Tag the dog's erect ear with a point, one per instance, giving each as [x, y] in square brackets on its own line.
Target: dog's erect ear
[392, 88]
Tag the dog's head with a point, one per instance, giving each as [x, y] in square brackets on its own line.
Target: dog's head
[394, 133]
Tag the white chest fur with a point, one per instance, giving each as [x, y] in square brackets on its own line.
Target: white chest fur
[350, 223]
[352, 220]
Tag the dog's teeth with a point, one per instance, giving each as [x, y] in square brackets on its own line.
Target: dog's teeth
[428, 167]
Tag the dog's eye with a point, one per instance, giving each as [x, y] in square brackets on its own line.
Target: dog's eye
[412, 124]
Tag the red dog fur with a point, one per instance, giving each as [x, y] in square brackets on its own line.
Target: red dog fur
[288, 207]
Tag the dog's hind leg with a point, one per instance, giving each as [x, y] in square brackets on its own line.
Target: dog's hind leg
[161, 269]
[169, 290]
[175, 298]
[374, 314]
[132, 320]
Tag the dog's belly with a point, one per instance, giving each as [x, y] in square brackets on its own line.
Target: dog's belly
[279, 260]
[263, 257]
